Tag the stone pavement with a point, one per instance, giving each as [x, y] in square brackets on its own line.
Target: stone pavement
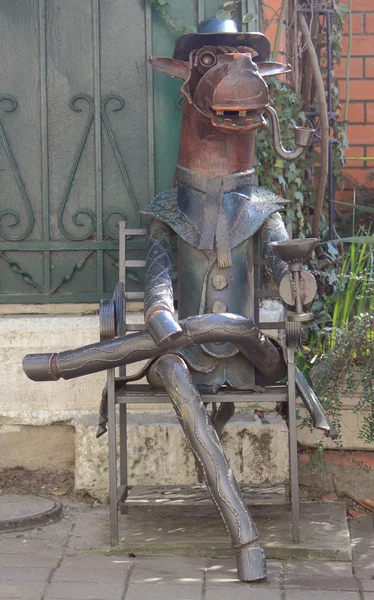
[62, 561]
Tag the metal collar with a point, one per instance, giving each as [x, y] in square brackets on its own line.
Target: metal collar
[199, 182]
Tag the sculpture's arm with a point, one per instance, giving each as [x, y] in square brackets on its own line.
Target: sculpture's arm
[274, 230]
[158, 296]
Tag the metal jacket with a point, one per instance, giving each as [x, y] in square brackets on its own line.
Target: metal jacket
[203, 285]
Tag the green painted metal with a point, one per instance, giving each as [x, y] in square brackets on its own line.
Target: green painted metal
[87, 134]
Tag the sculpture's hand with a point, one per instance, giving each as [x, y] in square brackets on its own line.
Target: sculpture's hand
[163, 328]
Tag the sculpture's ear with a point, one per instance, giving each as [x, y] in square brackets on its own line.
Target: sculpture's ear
[266, 69]
[170, 66]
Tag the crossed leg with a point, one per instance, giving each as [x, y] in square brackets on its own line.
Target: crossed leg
[172, 373]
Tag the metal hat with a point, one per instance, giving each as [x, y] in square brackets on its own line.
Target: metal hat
[221, 32]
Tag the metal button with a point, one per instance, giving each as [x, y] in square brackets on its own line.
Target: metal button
[219, 281]
[219, 307]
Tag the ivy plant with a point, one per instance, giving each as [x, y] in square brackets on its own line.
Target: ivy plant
[290, 179]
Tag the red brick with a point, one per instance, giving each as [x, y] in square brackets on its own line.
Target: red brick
[356, 113]
[362, 5]
[362, 45]
[370, 152]
[275, 4]
[356, 68]
[345, 195]
[334, 457]
[354, 152]
[357, 23]
[271, 11]
[358, 5]
[358, 90]
[369, 23]
[361, 176]
[271, 32]
[369, 66]
[359, 134]
[370, 112]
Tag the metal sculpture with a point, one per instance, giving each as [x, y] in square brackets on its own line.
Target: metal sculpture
[215, 211]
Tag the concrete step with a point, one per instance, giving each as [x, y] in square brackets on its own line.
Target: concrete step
[158, 453]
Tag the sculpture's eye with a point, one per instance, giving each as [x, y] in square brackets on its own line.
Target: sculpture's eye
[207, 59]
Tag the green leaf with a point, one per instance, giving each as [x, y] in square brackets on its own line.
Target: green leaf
[223, 14]
[162, 2]
[248, 17]
[367, 209]
[357, 239]
[279, 163]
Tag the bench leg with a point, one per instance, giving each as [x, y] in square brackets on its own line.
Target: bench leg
[292, 433]
[112, 441]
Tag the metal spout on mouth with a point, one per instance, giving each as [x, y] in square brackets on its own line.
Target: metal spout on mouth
[303, 137]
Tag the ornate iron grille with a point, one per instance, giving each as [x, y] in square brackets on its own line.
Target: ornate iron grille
[86, 136]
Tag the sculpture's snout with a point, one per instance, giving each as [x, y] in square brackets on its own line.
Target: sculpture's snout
[232, 93]
[40, 367]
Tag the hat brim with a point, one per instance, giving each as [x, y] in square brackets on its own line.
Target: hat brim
[194, 41]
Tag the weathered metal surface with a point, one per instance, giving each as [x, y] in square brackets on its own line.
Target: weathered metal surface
[198, 495]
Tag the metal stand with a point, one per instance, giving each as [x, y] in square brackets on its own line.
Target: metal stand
[292, 445]
[112, 441]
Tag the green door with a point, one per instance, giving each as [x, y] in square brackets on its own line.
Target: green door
[87, 133]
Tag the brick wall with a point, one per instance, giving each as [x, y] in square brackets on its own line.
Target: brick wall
[360, 128]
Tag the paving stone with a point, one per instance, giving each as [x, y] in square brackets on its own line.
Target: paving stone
[21, 545]
[324, 532]
[223, 571]
[364, 571]
[23, 574]
[55, 531]
[367, 585]
[362, 536]
[84, 591]
[28, 560]
[318, 567]
[91, 531]
[155, 592]
[79, 575]
[21, 589]
[368, 596]
[308, 594]
[243, 591]
[320, 583]
[115, 562]
[170, 569]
